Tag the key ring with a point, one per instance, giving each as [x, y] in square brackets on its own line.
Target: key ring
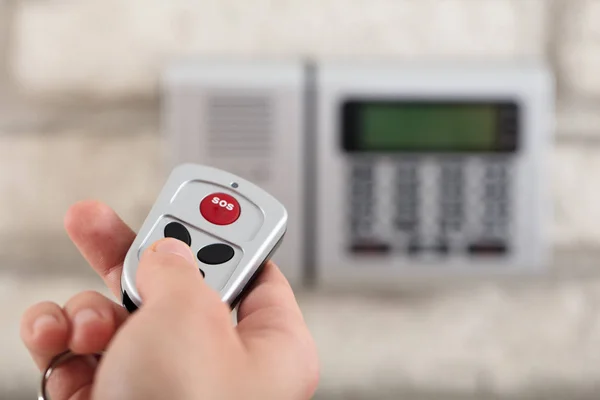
[57, 361]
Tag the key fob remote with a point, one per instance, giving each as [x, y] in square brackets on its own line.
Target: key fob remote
[232, 225]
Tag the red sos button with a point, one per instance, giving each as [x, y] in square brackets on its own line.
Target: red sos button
[220, 209]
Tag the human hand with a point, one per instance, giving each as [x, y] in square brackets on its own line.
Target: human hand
[181, 344]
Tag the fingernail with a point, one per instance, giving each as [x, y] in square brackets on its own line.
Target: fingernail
[174, 246]
[43, 322]
[86, 316]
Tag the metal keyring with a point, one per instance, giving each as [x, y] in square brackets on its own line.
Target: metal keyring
[57, 361]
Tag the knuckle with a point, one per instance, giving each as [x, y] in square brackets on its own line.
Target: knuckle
[84, 299]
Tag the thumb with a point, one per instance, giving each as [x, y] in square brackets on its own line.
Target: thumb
[169, 277]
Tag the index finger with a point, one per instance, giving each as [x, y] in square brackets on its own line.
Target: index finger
[271, 290]
[102, 238]
[270, 311]
[272, 328]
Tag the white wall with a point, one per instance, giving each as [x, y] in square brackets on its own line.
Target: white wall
[116, 48]
[77, 119]
[110, 50]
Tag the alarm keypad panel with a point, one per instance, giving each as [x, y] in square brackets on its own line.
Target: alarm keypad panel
[429, 178]
[430, 206]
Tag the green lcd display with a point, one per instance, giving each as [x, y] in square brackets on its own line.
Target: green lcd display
[426, 127]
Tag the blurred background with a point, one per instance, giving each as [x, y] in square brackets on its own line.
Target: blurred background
[80, 118]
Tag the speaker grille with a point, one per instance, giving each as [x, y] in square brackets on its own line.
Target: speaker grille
[239, 127]
[239, 134]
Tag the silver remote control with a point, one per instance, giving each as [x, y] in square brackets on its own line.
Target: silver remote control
[232, 226]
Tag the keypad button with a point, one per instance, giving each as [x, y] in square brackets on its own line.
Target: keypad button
[496, 172]
[361, 192]
[496, 210]
[371, 248]
[414, 247]
[220, 209]
[214, 254]
[406, 226]
[485, 247]
[493, 229]
[452, 210]
[453, 172]
[405, 215]
[451, 192]
[406, 175]
[440, 247]
[495, 192]
[448, 227]
[177, 231]
[362, 214]
[406, 193]
[362, 173]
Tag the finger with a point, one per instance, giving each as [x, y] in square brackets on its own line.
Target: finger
[271, 291]
[94, 320]
[102, 238]
[170, 282]
[270, 308]
[45, 332]
[85, 325]
[273, 330]
[73, 379]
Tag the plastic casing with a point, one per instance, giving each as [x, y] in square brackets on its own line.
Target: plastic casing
[254, 236]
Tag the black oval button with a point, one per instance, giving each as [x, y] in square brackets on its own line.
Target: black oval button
[214, 254]
[177, 231]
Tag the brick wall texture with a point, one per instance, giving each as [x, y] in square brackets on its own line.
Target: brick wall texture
[70, 71]
[103, 51]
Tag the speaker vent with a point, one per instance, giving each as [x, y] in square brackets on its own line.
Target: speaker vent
[239, 134]
[239, 127]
